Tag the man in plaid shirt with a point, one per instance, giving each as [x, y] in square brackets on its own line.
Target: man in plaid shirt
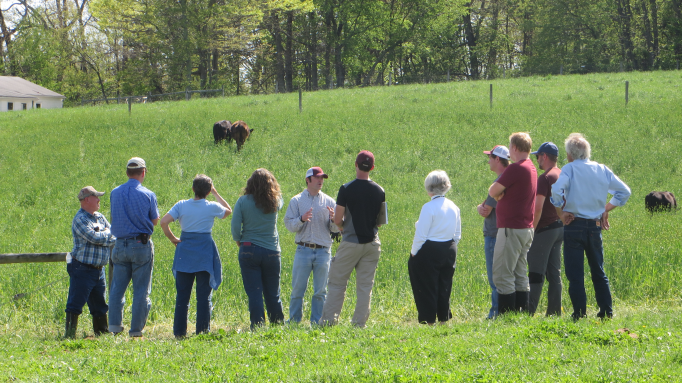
[92, 243]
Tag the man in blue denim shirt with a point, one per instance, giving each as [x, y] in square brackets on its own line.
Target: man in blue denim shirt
[579, 196]
[92, 242]
[311, 216]
[134, 213]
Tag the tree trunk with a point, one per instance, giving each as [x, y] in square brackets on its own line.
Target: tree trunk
[313, 51]
[625, 22]
[470, 39]
[289, 53]
[279, 60]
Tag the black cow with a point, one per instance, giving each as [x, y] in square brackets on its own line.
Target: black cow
[240, 132]
[660, 201]
[221, 131]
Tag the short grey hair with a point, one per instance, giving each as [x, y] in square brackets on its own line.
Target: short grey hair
[437, 182]
[578, 147]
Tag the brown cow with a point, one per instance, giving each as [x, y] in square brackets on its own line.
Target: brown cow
[660, 201]
[240, 132]
[221, 131]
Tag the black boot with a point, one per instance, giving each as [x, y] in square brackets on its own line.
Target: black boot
[100, 325]
[71, 325]
[506, 302]
[521, 301]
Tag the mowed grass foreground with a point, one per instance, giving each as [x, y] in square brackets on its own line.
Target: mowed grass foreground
[46, 156]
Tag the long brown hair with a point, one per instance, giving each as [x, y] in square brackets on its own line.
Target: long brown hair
[264, 188]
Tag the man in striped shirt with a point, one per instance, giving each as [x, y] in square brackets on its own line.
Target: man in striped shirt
[92, 242]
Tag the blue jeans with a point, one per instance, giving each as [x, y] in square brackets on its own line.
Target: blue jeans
[261, 270]
[86, 285]
[489, 252]
[183, 287]
[305, 261]
[132, 261]
[584, 237]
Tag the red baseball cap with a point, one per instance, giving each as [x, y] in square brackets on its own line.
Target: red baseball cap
[365, 160]
[315, 172]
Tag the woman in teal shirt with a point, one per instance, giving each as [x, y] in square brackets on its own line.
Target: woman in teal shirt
[254, 228]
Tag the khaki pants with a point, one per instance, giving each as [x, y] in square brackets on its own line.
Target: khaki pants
[509, 261]
[364, 258]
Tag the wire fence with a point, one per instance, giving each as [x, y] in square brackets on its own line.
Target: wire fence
[149, 97]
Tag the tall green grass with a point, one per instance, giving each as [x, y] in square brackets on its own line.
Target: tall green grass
[46, 156]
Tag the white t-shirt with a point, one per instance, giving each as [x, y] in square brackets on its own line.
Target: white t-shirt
[439, 221]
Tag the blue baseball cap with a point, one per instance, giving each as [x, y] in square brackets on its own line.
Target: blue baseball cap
[547, 147]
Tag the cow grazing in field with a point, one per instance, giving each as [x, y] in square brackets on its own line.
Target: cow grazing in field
[240, 132]
[660, 201]
[221, 131]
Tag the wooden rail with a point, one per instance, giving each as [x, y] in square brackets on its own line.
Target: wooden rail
[34, 257]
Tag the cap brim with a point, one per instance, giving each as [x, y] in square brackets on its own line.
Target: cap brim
[535, 152]
[487, 152]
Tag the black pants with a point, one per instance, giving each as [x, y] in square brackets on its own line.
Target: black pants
[431, 271]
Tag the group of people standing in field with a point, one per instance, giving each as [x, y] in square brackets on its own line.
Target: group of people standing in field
[526, 219]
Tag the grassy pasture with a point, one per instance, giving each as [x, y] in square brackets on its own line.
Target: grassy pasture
[46, 156]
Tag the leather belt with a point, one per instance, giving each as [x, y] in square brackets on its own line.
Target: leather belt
[310, 245]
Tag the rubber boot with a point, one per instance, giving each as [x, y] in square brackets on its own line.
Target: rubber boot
[534, 297]
[100, 325]
[521, 301]
[71, 325]
[506, 303]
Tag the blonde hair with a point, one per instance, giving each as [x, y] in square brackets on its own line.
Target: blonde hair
[522, 142]
[577, 147]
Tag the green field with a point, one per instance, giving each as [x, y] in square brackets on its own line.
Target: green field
[46, 156]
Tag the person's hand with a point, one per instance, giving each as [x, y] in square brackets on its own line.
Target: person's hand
[238, 243]
[213, 191]
[499, 197]
[567, 218]
[482, 211]
[411, 255]
[175, 241]
[331, 213]
[307, 216]
[605, 221]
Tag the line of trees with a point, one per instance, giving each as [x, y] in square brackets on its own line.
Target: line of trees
[105, 48]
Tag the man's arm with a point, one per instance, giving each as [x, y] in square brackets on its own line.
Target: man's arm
[484, 210]
[338, 216]
[496, 191]
[102, 237]
[292, 218]
[539, 202]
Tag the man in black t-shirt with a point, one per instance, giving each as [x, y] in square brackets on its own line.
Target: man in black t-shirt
[360, 210]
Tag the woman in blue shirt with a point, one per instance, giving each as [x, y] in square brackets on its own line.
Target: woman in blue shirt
[196, 255]
[254, 229]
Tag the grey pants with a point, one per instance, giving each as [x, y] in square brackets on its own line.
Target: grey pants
[509, 260]
[544, 260]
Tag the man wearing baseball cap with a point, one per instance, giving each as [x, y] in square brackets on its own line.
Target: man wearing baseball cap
[544, 256]
[358, 208]
[134, 213]
[311, 216]
[498, 160]
[92, 242]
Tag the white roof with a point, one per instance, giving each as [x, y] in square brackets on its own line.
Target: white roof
[11, 86]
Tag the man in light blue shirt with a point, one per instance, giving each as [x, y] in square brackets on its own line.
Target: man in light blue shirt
[134, 213]
[579, 196]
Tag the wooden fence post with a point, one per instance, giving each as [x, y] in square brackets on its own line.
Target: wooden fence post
[491, 96]
[130, 104]
[300, 100]
[30, 258]
[627, 96]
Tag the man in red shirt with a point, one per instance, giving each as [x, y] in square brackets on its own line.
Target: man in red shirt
[515, 193]
[544, 256]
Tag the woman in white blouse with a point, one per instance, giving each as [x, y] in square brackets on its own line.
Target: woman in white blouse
[434, 250]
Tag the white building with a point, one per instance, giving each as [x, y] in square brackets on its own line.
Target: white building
[19, 94]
